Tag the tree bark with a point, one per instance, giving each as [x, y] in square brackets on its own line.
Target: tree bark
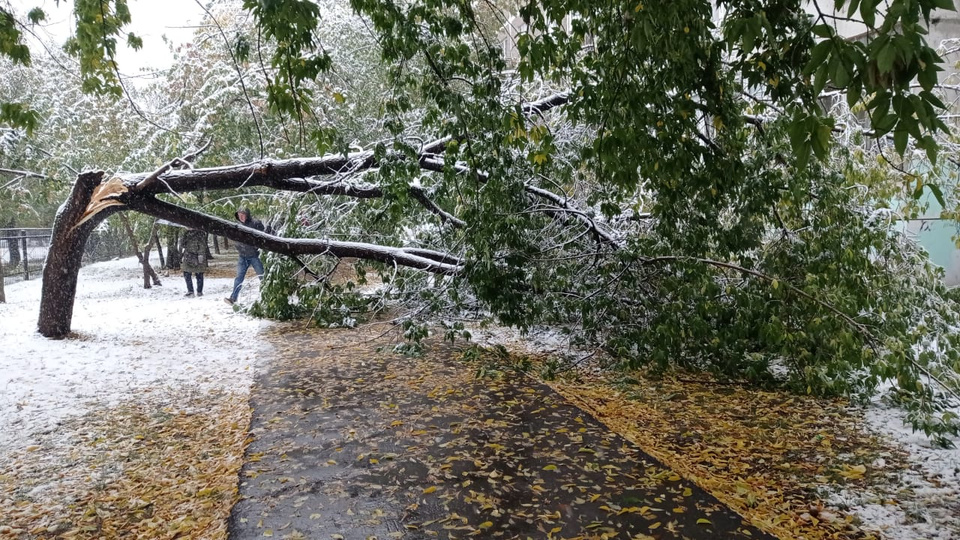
[421, 259]
[63, 260]
[206, 239]
[3, 296]
[156, 240]
[173, 249]
[216, 244]
[144, 257]
[13, 243]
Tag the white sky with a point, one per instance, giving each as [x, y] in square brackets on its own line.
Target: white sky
[152, 20]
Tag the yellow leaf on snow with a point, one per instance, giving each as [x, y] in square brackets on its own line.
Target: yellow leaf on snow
[853, 473]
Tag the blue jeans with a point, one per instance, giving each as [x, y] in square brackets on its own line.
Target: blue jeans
[189, 280]
[242, 265]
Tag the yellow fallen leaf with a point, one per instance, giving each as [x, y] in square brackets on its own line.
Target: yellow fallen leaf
[654, 526]
[486, 525]
[550, 468]
[704, 521]
[853, 473]
[429, 490]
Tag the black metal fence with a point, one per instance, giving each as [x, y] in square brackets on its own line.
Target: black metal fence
[23, 251]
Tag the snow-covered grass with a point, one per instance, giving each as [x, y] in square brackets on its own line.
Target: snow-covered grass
[920, 502]
[146, 345]
[130, 343]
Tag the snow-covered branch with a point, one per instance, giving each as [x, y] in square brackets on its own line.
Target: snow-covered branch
[427, 260]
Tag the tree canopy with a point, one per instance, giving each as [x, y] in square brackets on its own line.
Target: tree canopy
[674, 182]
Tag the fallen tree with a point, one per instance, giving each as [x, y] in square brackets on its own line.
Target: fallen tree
[663, 191]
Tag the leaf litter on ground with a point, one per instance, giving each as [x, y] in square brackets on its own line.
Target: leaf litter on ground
[795, 466]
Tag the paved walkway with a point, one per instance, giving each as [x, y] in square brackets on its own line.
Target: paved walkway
[352, 441]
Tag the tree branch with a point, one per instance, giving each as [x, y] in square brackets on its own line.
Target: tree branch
[411, 258]
[22, 174]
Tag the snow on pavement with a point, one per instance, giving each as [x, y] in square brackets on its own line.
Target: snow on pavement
[130, 342]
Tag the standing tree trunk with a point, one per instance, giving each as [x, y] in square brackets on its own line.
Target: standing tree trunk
[156, 240]
[206, 239]
[3, 297]
[144, 257]
[173, 249]
[13, 244]
[63, 260]
[216, 245]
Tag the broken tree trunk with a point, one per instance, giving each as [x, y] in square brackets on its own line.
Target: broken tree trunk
[66, 252]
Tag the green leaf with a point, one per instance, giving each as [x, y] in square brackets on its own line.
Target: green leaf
[19, 115]
[11, 40]
[937, 194]
[134, 41]
[886, 56]
[817, 56]
[886, 123]
[823, 30]
[868, 12]
[851, 9]
[842, 76]
[927, 77]
[36, 15]
[854, 91]
[900, 141]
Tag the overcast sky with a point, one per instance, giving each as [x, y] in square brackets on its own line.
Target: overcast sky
[152, 20]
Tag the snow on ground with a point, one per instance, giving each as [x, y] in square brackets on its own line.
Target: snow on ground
[922, 502]
[131, 343]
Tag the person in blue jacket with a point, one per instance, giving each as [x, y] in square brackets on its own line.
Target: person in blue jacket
[249, 255]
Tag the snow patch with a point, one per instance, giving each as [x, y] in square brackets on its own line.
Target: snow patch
[922, 502]
[130, 342]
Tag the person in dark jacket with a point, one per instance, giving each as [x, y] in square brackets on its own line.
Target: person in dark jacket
[193, 253]
[249, 255]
